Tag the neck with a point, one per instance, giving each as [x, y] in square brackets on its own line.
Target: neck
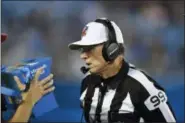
[112, 68]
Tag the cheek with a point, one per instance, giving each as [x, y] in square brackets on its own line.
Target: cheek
[99, 60]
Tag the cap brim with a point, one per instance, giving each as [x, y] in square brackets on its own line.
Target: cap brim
[3, 37]
[80, 44]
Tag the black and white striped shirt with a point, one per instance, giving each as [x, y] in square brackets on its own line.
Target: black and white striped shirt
[129, 96]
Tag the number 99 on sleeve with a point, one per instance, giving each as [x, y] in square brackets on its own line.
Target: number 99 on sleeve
[154, 101]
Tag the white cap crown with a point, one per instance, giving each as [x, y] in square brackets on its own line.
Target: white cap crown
[95, 33]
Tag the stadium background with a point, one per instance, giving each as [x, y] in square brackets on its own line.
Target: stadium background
[153, 33]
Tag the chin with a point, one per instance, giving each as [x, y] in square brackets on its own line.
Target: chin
[93, 70]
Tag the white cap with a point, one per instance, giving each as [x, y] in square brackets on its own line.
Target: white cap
[96, 33]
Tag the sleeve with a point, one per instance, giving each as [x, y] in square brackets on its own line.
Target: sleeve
[83, 91]
[153, 105]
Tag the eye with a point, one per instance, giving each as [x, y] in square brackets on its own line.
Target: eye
[86, 49]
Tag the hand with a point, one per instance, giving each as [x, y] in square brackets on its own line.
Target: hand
[37, 88]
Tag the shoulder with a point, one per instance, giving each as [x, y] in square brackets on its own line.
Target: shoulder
[89, 80]
[143, 87]
[143, 80]
[146, 89]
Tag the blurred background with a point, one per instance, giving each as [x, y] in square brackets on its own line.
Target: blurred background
[153, 33]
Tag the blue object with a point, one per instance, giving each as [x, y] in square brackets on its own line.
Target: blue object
[9, 92]
[26, 71]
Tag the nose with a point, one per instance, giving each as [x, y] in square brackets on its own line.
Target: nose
[84, 55]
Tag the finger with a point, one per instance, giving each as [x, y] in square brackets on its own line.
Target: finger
[19, 84]
[38, 72]
[47, 85]
[45, 80]
[49, 90]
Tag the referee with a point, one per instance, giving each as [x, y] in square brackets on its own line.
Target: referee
[113, 89]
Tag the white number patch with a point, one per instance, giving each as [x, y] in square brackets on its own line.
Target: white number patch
[154, 101]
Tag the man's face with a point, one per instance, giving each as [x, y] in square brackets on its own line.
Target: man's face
[93, 58]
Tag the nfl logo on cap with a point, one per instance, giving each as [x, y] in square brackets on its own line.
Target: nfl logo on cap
[84, 31]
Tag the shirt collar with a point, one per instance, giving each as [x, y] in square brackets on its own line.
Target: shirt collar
[113, 81]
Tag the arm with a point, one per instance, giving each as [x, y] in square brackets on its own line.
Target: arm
[26, 109]
[37, 90]
[153, 106]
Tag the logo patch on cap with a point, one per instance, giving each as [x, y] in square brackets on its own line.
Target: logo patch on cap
[84, 31]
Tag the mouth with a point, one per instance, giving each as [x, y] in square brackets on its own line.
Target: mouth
[88, 64]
